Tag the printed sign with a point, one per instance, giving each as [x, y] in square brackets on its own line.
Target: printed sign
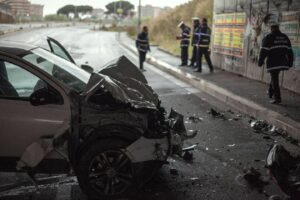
[290, 27]
[228, 34]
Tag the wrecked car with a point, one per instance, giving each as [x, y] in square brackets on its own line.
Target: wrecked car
[107, 127]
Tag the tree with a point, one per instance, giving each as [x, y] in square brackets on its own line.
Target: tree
[119, 7]
[66, 10]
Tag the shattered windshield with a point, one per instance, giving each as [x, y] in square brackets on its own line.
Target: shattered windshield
[60, 69]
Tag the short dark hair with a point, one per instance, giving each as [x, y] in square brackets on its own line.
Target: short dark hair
[145, 28]
[204, 20]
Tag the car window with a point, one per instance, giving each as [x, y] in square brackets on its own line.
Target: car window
[57, 50]
[59, 68]
[17, 82]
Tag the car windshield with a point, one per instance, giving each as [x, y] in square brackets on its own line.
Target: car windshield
[59, 68]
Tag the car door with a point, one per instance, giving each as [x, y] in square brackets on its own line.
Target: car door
[59, 50]
[21, 123]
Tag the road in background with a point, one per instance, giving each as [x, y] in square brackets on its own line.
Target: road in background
[227, 146]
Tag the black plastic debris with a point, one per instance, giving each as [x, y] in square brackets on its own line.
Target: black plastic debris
[262, 126]
[188, 156]
[285, 169]
[174, 172]
[216, 114]
[254, 178]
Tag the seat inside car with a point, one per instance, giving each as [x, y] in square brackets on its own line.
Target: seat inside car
[6, 88]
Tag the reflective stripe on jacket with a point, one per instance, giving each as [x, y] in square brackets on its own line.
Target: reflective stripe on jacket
[204, 36]
[196, 35]
[276, 47]
[142, 42]
[185, 36]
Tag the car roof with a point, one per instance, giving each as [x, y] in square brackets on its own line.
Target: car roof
[15, 48]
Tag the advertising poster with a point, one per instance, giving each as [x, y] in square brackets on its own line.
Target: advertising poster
[290, 26]
[229, 34]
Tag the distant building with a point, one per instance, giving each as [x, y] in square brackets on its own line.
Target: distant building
[97, 12]
[5, 13]
[149, 11]
[36, 10]
[18, 7]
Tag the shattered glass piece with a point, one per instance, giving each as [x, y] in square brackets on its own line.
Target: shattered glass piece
[195, 119]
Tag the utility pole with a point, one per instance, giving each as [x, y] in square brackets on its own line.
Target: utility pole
[139, 17]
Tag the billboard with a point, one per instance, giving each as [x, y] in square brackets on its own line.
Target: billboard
[229, 33]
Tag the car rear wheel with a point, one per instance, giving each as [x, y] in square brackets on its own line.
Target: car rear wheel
[104, 170]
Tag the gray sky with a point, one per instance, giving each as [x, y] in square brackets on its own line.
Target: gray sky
[51, 6]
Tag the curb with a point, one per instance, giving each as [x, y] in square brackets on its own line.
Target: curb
[241, 104]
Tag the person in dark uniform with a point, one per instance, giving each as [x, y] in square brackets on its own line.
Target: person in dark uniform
[184, 43]
[276, 47]
[195, 38]
[142, 45]
[203, 46]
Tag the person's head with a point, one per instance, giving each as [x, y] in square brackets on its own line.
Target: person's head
[204, 21]
[196, 21]
[274, 27]
[145, 29]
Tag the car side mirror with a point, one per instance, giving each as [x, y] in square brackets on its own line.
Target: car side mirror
[40, 97]
[87, 68]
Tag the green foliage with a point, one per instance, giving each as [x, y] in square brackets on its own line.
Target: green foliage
[163, 29]
[115, 6]
[66, 10]
[55, 17]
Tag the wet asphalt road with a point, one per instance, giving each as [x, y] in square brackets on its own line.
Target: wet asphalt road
[225, 147]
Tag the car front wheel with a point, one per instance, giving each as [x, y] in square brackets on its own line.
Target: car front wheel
[104, 170]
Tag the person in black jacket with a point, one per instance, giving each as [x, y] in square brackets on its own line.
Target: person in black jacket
[142, 45]
[184, 43]
[196, 30]
[203, 46]
[276, 47]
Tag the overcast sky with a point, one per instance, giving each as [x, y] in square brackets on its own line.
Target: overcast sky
[51, 6]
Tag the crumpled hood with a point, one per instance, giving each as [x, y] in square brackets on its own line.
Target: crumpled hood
[124, 81]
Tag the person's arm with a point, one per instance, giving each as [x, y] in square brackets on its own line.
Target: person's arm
[290, 54]
[137, 43]
[264, 51]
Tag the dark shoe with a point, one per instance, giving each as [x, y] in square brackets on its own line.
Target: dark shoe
[211, 70]
[182, 65]
[274, 101]
[270, 94]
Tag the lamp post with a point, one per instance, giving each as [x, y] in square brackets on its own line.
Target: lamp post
[139, 17]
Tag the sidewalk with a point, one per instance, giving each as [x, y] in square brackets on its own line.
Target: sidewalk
[246, 95]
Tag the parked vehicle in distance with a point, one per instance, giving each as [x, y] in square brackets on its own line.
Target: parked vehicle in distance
[109, 127]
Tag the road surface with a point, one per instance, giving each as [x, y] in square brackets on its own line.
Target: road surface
[226, 147]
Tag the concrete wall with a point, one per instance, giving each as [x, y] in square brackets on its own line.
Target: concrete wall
[255, 28]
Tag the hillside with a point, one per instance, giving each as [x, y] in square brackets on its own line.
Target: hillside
[163, 29]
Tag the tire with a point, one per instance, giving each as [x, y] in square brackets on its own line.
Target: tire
[105, 171]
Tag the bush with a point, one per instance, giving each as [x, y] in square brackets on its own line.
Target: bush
[163, 29]
[55, 17]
